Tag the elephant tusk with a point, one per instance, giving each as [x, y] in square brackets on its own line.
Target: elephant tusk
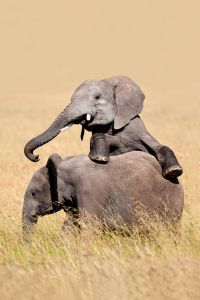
[66, 127]
[88, 117]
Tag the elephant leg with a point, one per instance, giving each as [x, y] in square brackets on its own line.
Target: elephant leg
[89, 223]
[71, 223]
[165, 156]
[99, 148]
[169, 163]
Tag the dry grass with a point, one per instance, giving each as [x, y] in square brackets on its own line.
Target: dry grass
[59, 266]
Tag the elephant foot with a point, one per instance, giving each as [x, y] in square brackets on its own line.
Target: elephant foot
[99, 158]
[173, 172]
[99, 148]
[169, 163]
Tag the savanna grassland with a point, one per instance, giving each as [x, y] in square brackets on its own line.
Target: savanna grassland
[57, 265]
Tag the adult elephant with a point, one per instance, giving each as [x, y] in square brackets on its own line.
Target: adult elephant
[127, 189]
[109, 108]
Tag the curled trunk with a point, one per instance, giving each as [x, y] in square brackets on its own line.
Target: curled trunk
[67, 116]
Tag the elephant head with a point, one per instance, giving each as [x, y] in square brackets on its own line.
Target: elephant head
[94, 104]
[41, 196]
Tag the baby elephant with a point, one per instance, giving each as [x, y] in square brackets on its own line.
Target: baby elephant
[110, 109]
[120, 191]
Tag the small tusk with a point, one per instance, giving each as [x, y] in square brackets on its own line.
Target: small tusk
[66, 127]
[88, 117]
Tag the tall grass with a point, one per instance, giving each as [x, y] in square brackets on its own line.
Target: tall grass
[162, 264]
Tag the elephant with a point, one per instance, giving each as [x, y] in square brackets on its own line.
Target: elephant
[119, 192]
[110, 109]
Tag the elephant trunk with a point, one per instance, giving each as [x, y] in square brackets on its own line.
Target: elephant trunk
[66, 117]
[29, 214]
[28, 222]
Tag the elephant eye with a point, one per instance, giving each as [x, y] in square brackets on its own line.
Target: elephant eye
[97, 96]
[34, 194]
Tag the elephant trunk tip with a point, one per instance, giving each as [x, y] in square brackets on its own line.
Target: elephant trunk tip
[28, 151]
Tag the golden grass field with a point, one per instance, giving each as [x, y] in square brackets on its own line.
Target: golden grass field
[48, 48]
[57, 265]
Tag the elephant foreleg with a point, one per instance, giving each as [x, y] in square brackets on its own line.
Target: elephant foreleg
[71, 223]
[99, 148]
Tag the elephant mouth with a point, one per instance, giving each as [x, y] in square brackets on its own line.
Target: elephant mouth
[45, 209]
[83, 120]
[87, 120]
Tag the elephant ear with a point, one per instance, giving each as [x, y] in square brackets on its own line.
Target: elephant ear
[129, 100]
[52, 165]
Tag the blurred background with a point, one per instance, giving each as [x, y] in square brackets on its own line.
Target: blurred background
[50, 46]
[47, 49]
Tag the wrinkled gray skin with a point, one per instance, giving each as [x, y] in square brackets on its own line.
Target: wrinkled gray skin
[128, 185]
[114, 105]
